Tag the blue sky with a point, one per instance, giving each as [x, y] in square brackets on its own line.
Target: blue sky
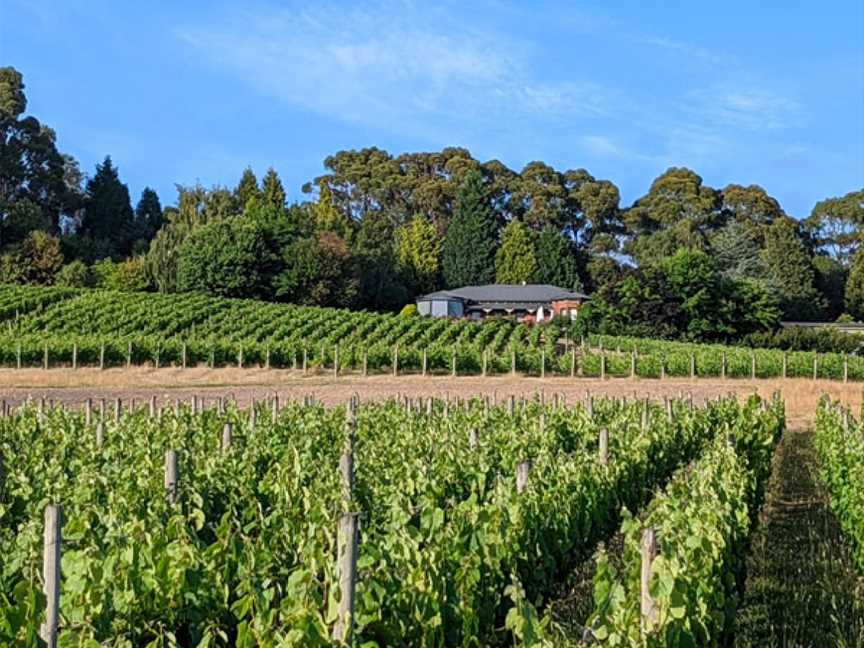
[767, 92]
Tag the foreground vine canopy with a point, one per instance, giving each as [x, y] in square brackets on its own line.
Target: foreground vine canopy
[469, 513]
[51, 326]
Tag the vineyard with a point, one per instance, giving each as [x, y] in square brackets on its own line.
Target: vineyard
[220, 527]
[43, 327]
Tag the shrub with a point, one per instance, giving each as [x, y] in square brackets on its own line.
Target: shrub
[409, 310]
[74, 275]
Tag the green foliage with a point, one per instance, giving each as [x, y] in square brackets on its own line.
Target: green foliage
[40, 258]
[148, 219]
[74, 274]
[830, 281]
[797, 338]
[226, 257]
[409, 310]
[318, 272]
[247, 189]
[418, 254]
[272, 192]
[854, 294]
[381, 285]
[247, 554]
[556, 264]
[703, 520]
[736, 252]
[108, 220]
[468, 254]
[835, 224]
[790, 271]
[841, 450]
[515, 262]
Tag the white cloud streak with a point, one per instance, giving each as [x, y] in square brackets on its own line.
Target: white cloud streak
[388, 66]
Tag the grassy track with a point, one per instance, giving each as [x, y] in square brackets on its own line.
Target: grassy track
[802, 588]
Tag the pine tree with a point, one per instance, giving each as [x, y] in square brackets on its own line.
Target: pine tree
[418, 253]
[272, 192]
[515, 262]
[108, 218]
[247, 189]
[148, 215]
[556, 264]
[790, 271]
[855, 286]
[469, 246]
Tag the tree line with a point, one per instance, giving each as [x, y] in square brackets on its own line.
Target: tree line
[685, 260]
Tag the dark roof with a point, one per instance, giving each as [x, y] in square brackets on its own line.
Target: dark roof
[516, 295]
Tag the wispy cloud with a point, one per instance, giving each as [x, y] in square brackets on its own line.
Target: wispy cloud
[744, 108]
[388, 66]
[685, 48]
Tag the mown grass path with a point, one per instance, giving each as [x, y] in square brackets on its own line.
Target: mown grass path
[801, 588]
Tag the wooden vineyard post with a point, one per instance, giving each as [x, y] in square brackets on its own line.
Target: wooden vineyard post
[543, 362]
[453, 362]
[347, 545]
[274, 412]
[88, 412]
[845, 420]
[45, 357]
[662, 367]
[18, 356]
[513, 362]
[267, 358]
[669, 412]
[100, 434]
[335, 360]
[183, 356]
[523, 470]
[647, 606]
[845, 368]
[102, 356]
[632, 364]
[305, 360]
[472, 438]
[118, 410]
[692, 366]
[602, 365]
[226, 437]
[396, 360]
[511, 404]
[723, 365]
[752, 366]
[172, 478]
[425, 361]
[153, 406]
[573, 362]
[74, 356]
[240, 358]
[589, 405]
[51, 573]
[365, 362]
[785, 369]
[253, 415]
[815, 367]
[604, 446]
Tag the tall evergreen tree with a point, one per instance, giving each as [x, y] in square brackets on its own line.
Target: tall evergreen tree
[790, 271]
[418, 253]
[556, 264]
[855, 286]
[247, 189]
[108, 218]
[148, 215]
[515, 262]
[272, 192]
[469, 246]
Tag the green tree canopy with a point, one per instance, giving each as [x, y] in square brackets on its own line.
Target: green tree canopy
[556, 263]
[790, 271]
[468, 254]
[318, 271]
[855, 287]
[226, 257]
[515, 261]
[247, 189]
[836, 223]
[418, 254]
[108, 220]
[272, 191]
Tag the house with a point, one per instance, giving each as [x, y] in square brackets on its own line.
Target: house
[525, 302]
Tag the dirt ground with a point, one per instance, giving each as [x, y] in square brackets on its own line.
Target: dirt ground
[169, 384]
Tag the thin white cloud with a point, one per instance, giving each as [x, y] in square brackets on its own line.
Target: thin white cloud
[685, 48]
[744, 108]
[388, 66]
